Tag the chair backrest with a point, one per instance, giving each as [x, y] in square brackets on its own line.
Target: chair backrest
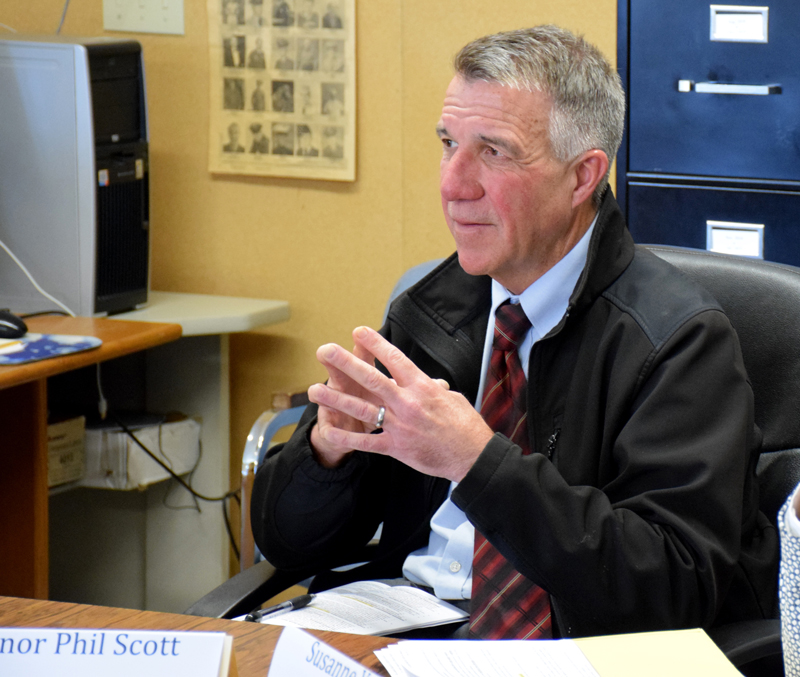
[409, 278]
[762, 301]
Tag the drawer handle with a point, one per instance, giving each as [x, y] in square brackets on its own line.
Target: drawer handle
[725, 88]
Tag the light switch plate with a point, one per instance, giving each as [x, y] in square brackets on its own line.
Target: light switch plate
[144, 16]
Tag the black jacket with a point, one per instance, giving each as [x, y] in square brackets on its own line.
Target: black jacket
[638, 509]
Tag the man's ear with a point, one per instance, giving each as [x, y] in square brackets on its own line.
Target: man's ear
[590, 168]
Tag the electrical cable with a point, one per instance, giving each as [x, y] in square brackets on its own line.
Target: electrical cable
[63, 16]
[34, 282]
[43, 312]
[231, 539]
[175, 476]
[102, 402]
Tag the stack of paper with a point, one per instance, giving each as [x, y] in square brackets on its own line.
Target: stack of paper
[463, 658]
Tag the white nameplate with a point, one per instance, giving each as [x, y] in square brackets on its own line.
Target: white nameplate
[35, 652]
[739, 239]
[300, 654]
[736, 23]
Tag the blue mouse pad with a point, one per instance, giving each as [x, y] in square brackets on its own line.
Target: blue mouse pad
[33, 347]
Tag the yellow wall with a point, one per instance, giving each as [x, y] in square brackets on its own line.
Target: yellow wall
[332, 249]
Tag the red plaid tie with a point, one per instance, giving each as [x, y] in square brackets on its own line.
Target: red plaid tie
[505, 604]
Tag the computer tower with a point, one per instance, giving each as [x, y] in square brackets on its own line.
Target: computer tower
[74, 203]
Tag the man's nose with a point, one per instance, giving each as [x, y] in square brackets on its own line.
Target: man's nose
[458, 178]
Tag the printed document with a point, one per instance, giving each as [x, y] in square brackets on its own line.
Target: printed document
[370, 608]
[464, 658]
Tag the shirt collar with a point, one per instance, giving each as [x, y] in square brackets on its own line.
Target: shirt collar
[546, 300]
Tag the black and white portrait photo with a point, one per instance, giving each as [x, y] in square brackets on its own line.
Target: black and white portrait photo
[282, 139]
[283, 96]
[233, 50]
[333, 142]
[233, 96]
[233, 145]
[308, 55]
[306, 144]
[333, 99]
[333, 16]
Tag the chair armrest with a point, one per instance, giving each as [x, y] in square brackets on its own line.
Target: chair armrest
[245, 591]
[748, 641]
[254, 586]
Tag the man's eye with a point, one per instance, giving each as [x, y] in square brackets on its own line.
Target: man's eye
[448, 143]
[494, 152]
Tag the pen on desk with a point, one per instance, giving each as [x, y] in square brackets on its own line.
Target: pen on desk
[288, 605]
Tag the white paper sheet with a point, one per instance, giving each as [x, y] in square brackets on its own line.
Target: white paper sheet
[370, 608]
[541, 658]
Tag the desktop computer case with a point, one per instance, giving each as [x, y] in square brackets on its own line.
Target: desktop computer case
[74, 194]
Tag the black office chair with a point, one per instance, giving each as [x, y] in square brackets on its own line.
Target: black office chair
[259, 580]
[762, 300]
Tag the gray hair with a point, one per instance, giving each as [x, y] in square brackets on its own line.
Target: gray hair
[588, 102]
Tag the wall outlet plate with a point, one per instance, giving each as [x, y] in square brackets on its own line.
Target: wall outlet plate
[144, 16]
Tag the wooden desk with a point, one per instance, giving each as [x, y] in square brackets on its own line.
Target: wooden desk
[253, 643]
[689, 653]
[23, 440]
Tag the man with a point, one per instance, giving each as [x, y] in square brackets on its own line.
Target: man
[260, 141]
[257, 17]
[308, 17]
[284, 62]
[258, 98]
[233, 145]
[308, 55]
[282, 139]
[333, 99]
[305, 142]
[233, 51]
[283, 96]
[628, 502]
[333, 56]
[333, 142]
[256, 59]
[282, 14]
[331, 18]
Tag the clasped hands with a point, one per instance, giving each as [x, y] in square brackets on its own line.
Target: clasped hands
[425, 426]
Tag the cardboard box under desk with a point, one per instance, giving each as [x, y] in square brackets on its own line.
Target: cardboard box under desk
[65, 451]
[115, 461]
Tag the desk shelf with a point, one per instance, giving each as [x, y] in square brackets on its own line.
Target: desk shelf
[174, 557]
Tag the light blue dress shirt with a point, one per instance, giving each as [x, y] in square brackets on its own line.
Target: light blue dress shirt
[445, 564]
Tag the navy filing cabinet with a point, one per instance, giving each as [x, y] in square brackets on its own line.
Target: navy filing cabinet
[711, 154]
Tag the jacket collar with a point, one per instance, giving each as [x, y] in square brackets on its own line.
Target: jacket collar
[451, 304]
[610, 253]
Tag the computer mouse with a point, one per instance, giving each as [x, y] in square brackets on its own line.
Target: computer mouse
[11, 326]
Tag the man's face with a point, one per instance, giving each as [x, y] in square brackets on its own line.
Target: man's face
[507, 201]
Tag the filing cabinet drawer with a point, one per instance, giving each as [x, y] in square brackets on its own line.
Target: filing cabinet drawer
[711, 101]
[679, 215]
